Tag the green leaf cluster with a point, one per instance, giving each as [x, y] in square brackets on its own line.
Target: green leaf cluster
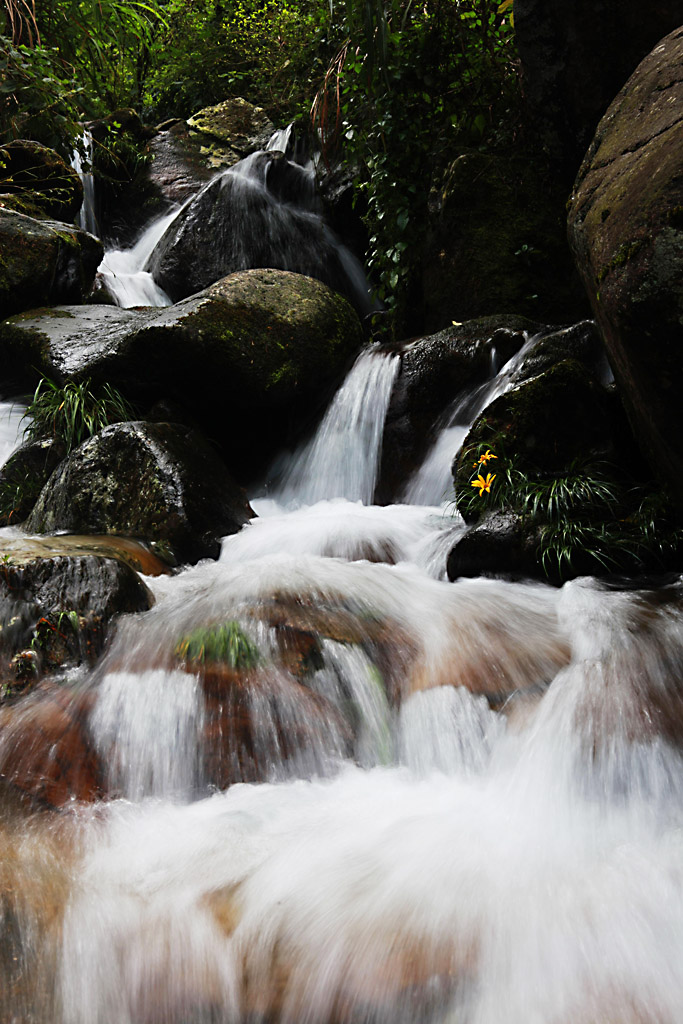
[588, 509]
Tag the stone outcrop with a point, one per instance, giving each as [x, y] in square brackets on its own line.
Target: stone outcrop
[626, 230]
[43, 262]
[160, 482]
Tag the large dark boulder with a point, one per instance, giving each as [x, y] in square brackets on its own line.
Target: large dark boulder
[43, 262]
[575, 57]
[626, 230]
[160, 482]
[30, 169]
[252, 356]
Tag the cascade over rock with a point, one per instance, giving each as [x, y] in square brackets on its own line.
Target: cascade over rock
[626, 230]
[575, 57]
[43, 261]
[157, 481]
[27, 167]
[259, 218]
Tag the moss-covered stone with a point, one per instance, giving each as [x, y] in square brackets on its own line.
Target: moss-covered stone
[230, 130]
[43, 262]
[159, 482]
[628, 242]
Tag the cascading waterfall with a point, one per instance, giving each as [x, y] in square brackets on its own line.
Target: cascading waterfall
[87, 217]
[389, 799]
[12, 424]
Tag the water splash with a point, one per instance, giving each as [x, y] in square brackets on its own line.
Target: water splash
[123, 270]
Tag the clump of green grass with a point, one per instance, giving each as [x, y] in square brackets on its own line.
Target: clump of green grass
[223, 642]
[74, 412]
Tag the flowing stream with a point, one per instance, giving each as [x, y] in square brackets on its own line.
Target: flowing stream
[410, 801]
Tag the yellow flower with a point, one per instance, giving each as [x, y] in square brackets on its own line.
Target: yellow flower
[486, 457]
[484, 484]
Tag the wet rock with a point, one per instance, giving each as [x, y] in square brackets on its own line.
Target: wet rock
[30, 169]
[59, 606]
[253, 356]
[575, 58]
[24, 475]
[500, 545]
[434, 372]
[626, 230]
[18, 549]
[543, 423]
[45, 749]
[157, 481]
[43, 262]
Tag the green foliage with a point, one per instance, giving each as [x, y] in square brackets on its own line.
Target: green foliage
[74, 412]
[586, 510]
[19, 490]
[38, 97]
[267, 51]
[411, 84]
[222, 642]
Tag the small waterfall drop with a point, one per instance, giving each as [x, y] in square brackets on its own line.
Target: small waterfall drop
[87, 218]
[123, 270]
[342, 459]
[12, 425]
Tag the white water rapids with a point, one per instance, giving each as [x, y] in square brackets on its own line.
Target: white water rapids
[455, 803]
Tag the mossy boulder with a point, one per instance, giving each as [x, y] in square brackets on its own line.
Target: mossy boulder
[543, 424]
[496, 243]
[43, 262]
[253, 356]
[626, 230]
[29, 169]
[160, 482]
[24, 475]
[230, 130]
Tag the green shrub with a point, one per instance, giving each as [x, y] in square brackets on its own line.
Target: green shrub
[74, 412]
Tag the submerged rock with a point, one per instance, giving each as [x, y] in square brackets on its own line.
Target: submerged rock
[157, 481]
[626, 230]
[43, 262]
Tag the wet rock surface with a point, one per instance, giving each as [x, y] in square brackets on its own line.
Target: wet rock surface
[160, 482]
[626, 230]
[43, 262]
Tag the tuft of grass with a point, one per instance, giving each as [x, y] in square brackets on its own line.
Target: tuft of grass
[74, 412]
[223, 642]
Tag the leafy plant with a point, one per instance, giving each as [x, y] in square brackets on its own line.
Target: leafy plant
[586, 510]
[223, 642]
[73, 412]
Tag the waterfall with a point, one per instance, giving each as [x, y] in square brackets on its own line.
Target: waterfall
[341, 790]
[87, 218]
[123, 270]
[342, 459]
[12, 424]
